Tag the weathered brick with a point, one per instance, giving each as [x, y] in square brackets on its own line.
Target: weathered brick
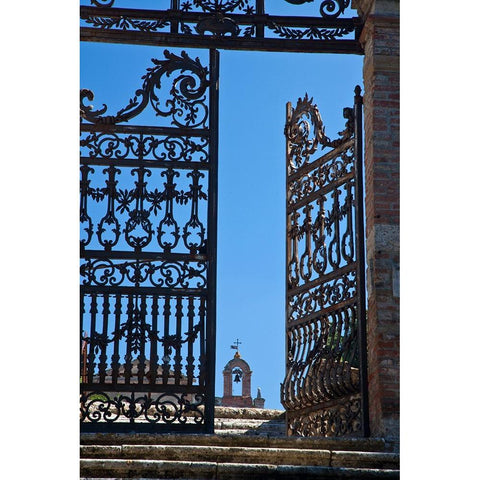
[381, 100]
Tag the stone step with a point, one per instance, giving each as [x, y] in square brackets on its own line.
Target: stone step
[235, 440]
[243, 427]
[165, 470]
[246, 424]
[249, 413]
[248, 432]
[244, 455]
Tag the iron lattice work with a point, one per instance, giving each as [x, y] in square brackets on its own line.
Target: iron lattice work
[228, 24]
[148, 249]
[324, 391]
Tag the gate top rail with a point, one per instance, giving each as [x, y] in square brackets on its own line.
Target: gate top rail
[232, 24]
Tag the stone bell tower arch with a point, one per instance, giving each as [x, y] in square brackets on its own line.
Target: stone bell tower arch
[237, 370]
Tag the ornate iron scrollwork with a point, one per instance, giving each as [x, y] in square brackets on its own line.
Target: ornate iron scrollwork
[166, 408]
[333, 8]
[219, 6]
[145, 272]
[186, 106]
[321, 389]
[242, 24]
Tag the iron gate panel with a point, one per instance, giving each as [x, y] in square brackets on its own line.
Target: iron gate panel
[324, 391]
[148, 253]
[227, 24]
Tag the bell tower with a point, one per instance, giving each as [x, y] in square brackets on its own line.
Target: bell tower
[238, 370]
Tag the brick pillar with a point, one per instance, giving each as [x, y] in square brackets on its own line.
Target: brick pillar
[227, 383]
[247, 384]
[380, 38]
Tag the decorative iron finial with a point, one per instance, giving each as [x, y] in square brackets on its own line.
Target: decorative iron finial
[358, 94]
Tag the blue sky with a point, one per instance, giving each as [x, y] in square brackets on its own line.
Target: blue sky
[254, 90]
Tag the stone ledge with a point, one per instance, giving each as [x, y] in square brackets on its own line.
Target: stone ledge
[250, 413]
[318, 443]
[233, 471]
[224, 454]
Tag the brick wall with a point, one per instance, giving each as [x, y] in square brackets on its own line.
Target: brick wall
[380, 38]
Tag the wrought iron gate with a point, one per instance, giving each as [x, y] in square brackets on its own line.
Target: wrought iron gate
[324, 391]
[148, 211]
[148, 253]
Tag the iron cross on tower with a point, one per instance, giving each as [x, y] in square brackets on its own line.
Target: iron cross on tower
[235, 345]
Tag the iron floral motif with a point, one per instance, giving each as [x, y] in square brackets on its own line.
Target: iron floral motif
[328, 172]
[325, 295]
[186, 107]
[166, 408]
[304, 131]
[124, 23]
[326, 235]
[328, 8]
[168, 274]
[140, 206]
[219, 6]
[118, 146]
[311, 32]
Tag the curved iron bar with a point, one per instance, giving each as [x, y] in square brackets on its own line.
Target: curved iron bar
[187, 94]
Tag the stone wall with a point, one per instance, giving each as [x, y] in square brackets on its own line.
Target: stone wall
[380, 38]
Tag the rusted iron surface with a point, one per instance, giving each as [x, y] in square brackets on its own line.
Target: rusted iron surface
[324, 383]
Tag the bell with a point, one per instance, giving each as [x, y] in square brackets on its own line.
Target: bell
[237, 378]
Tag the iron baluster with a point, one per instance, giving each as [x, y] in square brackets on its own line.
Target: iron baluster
[167, 349]
[91, 352]
[116, 340]
[153, 341]
[202, 311]
[128, 331]
[83, 342]
[190, 341]
[143, 339]
[177, 341]
[102, 365]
